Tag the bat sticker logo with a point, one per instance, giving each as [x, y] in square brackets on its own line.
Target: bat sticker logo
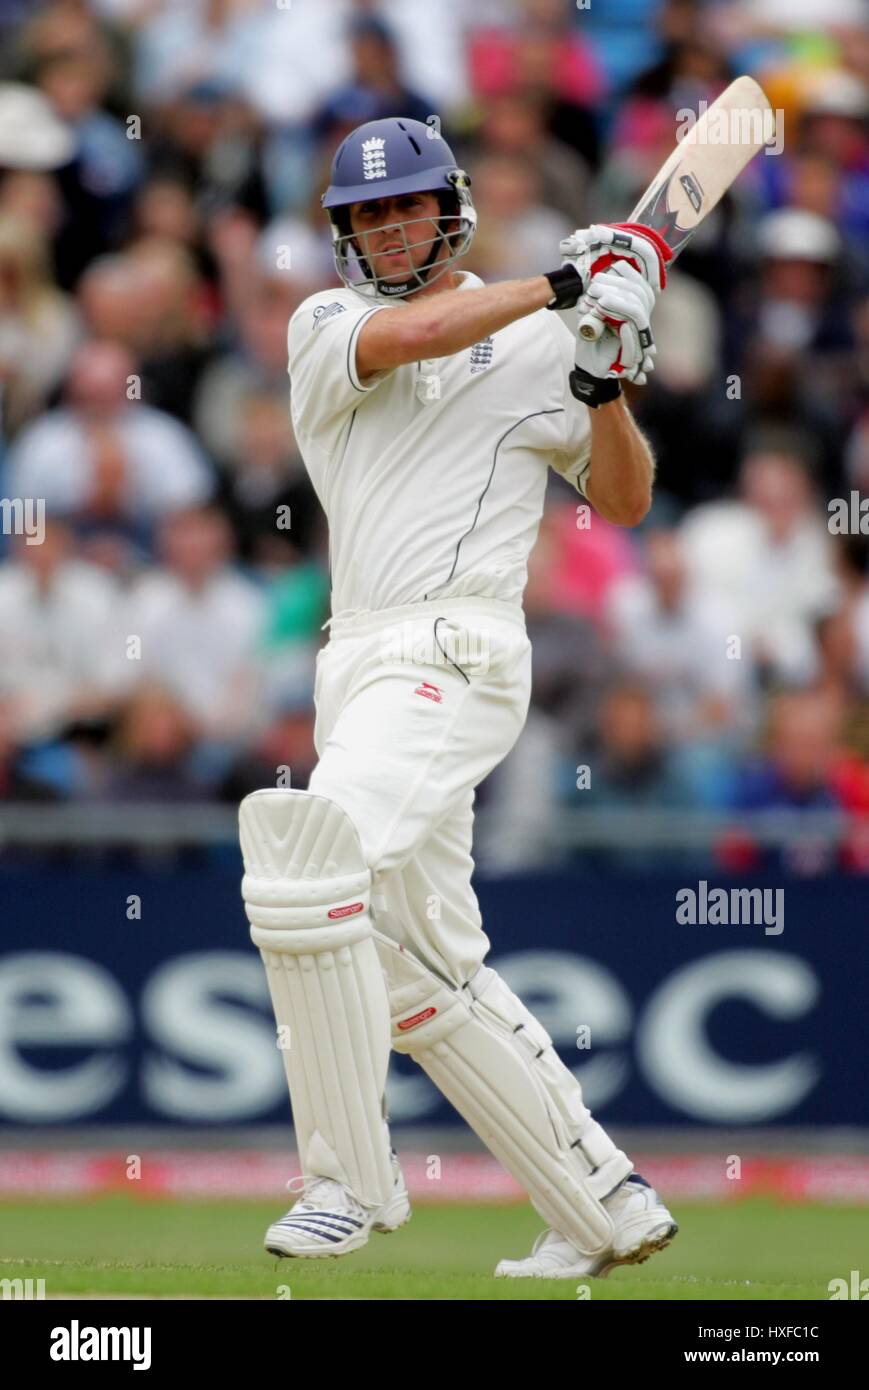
[693, 191]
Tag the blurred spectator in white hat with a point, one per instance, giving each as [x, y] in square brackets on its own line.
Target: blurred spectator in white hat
[31, 135]
[798, 368]
[797, 251]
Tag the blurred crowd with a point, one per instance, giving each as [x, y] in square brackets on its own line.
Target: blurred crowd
[161, 164]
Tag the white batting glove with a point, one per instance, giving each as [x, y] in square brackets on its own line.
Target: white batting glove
[591, 251]
[626, 348]
[602, 241]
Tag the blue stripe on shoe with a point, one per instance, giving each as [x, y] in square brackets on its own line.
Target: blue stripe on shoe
[345, 1224]
[314, 1230]
[322, 1216]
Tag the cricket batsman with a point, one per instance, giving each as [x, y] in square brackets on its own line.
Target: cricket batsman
[428, 408]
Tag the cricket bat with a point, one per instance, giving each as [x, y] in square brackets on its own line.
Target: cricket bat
[704, 164]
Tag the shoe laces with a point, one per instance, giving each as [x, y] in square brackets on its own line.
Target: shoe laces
[318, 1192]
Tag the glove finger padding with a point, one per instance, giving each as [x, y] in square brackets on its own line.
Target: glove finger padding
[623, 297]
[608, 245]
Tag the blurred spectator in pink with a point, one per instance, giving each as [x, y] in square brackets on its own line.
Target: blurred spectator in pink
[588, 556]
[544, 54]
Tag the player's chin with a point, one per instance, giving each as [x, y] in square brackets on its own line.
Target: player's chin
[395, 272]
[393, 267]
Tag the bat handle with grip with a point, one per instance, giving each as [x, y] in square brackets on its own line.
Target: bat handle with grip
[590, 327]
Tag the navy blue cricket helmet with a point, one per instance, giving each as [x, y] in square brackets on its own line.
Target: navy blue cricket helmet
[383, 159]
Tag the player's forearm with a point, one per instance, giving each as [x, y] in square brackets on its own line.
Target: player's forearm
[442, 324]
[619, 484]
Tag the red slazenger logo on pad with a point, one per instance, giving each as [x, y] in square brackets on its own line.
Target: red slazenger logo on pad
[431, 692]
[416, 1018]
[349, 911]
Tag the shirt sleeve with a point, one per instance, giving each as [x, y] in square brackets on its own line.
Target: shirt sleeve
[321, 351]
[573, 460]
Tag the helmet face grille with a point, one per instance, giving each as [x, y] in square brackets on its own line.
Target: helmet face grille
[454, 228]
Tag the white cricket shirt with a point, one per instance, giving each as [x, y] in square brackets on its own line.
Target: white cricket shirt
[432, 474]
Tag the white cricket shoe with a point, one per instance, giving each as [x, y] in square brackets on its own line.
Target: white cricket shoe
[327, 1220]
[643, 1226]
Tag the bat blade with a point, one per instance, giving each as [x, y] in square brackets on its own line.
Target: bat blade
[704, 164]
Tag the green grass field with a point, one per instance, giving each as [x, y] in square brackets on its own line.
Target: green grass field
[153, 1248]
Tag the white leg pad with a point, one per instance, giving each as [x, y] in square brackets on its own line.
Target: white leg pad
[306, 892]
[496, 1064]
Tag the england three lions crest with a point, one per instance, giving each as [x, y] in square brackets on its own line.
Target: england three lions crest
[373, 158]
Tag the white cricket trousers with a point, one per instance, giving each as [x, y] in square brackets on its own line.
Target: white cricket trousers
[415, 706]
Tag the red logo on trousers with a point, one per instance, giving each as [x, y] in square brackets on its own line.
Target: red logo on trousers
[431, 692]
